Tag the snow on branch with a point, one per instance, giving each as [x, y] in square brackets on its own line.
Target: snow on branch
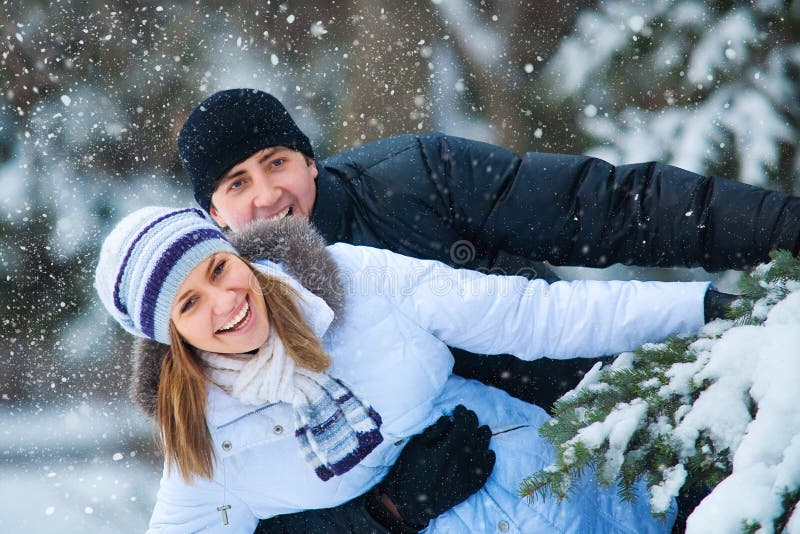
[693, 140]
[720, 409]
[707, 87]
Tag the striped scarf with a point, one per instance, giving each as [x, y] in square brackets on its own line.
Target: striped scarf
[334, 429]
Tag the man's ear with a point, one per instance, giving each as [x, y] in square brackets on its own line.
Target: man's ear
[313, 164]
[217, 217]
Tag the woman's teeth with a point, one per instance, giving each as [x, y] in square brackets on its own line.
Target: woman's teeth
[281, 215]
[236, 320]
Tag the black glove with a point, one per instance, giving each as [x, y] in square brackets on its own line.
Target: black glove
[540, 382]
[439, 468]
[716, 304]
[351, 517]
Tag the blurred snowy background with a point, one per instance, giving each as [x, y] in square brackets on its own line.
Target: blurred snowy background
[94, 93]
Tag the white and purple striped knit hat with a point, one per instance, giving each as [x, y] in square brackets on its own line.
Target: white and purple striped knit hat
[146, 258]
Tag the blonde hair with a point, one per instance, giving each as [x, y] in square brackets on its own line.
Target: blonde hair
[181, 401]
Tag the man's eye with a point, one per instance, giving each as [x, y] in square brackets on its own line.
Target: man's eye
[187, 305]
[218, 270]
[236, 184]
[277, 162]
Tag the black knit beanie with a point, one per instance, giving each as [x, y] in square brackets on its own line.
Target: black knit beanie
[229, 127]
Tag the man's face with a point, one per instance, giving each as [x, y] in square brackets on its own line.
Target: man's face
[272, 183]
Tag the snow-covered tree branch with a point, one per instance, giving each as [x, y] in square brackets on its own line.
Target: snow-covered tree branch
[709, 87]
[721, 409]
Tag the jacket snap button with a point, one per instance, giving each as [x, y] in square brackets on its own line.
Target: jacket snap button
[398, 442]
[226, 445]
[503, 526]
[278, 429]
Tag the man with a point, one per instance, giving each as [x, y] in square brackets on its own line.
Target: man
[472, 205]
[478, 206]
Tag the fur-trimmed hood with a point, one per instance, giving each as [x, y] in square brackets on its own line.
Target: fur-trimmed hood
[291, 242]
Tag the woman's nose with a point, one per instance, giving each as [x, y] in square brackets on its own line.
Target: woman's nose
[223, 301]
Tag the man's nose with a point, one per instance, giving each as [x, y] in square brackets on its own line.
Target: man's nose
[266, 194]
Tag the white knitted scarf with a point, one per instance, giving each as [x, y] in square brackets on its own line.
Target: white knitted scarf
[267, 376]
[334, 428]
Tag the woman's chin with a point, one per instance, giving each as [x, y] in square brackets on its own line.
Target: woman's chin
[240, 346]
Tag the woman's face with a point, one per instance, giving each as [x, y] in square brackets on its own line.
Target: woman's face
[220, 307]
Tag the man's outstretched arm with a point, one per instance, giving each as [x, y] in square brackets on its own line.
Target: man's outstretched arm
[578, 210]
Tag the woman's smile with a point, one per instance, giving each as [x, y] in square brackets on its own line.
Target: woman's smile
[240, 322]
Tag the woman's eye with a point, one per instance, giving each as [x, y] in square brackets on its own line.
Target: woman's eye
[236, 184]
[188, 305]
[218, 270]
[277, 163]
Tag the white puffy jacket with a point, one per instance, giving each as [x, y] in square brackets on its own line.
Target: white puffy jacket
[390, 347]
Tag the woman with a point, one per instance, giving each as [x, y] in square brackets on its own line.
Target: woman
[294, 383]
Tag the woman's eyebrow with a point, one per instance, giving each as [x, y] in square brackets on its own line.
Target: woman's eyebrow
[209, 268]
[210, 265]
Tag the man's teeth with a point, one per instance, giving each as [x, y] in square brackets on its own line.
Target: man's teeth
[236, 320]
[281, 215]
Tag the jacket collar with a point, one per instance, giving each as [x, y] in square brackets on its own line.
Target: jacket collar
[333, 207]
[293, 249]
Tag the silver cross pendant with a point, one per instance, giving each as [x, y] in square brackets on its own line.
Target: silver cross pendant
[224, 509]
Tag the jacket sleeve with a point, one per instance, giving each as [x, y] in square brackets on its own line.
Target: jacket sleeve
[492, 314]
[578, 210]
[182, 508]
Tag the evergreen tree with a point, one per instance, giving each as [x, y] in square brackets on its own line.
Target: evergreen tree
[707, 86]
[719, 409]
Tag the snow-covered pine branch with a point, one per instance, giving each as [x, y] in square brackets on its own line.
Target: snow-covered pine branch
[721, 408]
